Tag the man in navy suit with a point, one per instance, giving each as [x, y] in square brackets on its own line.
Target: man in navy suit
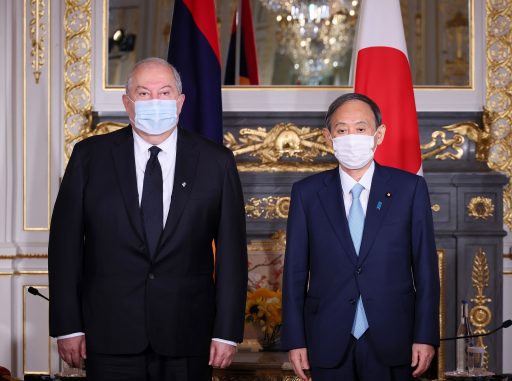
[361, 283]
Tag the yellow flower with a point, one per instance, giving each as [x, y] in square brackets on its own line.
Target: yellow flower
[263, 308]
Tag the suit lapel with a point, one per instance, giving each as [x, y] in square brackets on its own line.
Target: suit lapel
[331, 198]
[184, 176]
[378, 205]
[124, 163]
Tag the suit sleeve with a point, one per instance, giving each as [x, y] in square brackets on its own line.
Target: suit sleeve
[425, 269]
[295, 278]
[231, 259]
[65, 251]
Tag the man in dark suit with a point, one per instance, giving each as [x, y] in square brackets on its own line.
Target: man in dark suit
[136, 287]
[361, 284]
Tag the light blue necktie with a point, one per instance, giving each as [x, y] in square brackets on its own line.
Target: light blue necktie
[356, 225]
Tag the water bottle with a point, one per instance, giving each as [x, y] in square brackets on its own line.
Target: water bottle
[463, 343]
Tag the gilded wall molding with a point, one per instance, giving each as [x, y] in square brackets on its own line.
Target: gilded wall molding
[276, 243]
[24, 256]
[286, 147]
[284, 140]
[268, 208]
[441, 360]
[480, 315]
[37, 36]
[439, 147]
[497, 115]
[77, 72]
[480, 207]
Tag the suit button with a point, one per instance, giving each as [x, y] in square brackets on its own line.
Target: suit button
[151, 276]
[352, 301]
[359, 270]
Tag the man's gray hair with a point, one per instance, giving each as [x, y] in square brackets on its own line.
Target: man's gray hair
[154, 61]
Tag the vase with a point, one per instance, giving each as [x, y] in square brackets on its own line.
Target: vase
[269, 342]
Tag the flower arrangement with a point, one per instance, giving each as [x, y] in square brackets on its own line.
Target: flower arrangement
[263, 309]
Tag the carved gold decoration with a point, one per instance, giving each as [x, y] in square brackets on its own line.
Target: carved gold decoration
[439, 145]
[77, 72]
[100, 129]
[276, 244]
[305, 144]
[480, 207]
[284, 140]
[24, 256]
[497, 116]
[37, 36]
[437, 152]
[268, 208]
[436, 208]
[480, 315]
[441, 351]
[285, 167]
[480, 135]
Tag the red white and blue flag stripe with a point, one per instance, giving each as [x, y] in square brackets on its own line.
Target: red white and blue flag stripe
[194, 52]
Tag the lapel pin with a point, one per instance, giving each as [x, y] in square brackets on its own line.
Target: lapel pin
[183, 184]
[388, 194]
[379, 205]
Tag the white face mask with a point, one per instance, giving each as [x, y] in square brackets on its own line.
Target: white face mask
[354, 151]
[156, 116]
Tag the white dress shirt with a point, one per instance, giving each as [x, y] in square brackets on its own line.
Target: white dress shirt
[167, 159]
[347, 183]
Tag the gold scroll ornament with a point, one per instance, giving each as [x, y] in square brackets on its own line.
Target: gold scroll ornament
[283, 141]
[497, 115]
[480, 207]
[480, 315]
[37, 36]
[286, 147]
[77, 72]
[268, 208]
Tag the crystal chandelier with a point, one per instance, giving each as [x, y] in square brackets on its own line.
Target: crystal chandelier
[315, 35]
[306, 10]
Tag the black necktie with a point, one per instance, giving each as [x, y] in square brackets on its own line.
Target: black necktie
[152, 201]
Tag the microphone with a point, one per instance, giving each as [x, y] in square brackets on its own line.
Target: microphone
[505, 324]
[35, 291]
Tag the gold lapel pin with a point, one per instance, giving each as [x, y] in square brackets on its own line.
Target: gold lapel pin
[388, 194]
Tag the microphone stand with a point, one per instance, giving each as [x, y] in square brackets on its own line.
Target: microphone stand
[505, 324]
[77, 373]
[35, 291]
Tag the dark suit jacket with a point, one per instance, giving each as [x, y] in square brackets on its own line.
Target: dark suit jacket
[396, 272]
[102, 280]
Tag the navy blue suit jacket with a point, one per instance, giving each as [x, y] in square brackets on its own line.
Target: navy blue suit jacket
[396, 273]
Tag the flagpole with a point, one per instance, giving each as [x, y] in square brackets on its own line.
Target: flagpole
[238, 41]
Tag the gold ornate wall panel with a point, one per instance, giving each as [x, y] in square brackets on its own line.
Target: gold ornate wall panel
[285, 147]
[37, 36]
[36, 117]
[480, 207]
[268, 208]
[498, 99]
[441, 359]
[480, 315]
[77, 72]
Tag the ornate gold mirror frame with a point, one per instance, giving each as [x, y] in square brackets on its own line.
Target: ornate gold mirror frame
[497, 118]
